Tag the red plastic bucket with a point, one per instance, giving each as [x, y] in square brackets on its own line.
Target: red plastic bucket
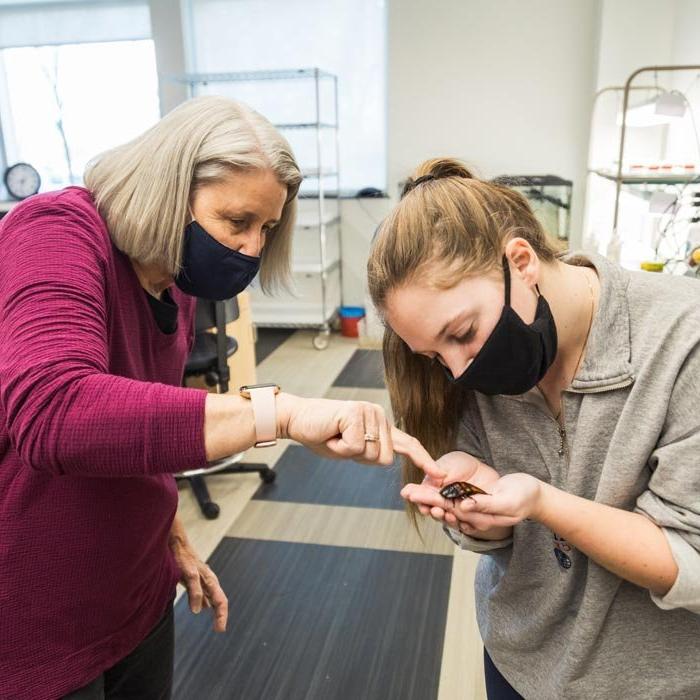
[350, 317]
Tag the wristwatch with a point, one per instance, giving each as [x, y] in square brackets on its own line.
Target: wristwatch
[262, 396]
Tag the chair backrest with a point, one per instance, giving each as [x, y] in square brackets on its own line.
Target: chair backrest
[205, 317]
[214, 315]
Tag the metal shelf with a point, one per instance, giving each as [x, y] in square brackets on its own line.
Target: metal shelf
[315, 268]
[308, 225]
[309, 125]
[327, 194]
[192, 78]
[315, 173]
[618, 177]
[661, 179]
[299, 321]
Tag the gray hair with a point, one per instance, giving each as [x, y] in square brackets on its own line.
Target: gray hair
[143, 189]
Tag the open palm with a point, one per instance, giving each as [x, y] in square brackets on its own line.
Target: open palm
[459, 466]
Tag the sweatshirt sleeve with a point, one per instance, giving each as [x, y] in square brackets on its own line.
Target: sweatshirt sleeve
[468, 441]
[672, 499]
[65, 413]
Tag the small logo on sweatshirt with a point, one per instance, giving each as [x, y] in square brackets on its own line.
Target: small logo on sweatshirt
[561, 549]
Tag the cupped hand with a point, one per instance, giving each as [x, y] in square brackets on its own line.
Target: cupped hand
[513, 498]
[459, 466]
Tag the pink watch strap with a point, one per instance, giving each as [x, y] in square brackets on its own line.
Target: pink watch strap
[265, 413]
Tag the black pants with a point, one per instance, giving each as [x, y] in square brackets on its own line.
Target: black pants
[497, 687]
[145, 673]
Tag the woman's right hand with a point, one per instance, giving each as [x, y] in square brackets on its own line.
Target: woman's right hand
[339, 429]
[459, 466]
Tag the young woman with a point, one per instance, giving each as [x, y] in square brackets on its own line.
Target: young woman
[576, 382]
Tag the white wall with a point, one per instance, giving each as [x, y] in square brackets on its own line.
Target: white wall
[507, 86]
[686, 34]
[683, 140]
[360, 218]
[169, 42]
[634, 33]
[504, 85]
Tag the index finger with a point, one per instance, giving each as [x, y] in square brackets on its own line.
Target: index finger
[408, 446]
[425, 496]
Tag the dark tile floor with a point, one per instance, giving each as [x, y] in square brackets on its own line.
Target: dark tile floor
[365, 370]
[305, 477]
[310, 622]
[269, 339]
[316, 622]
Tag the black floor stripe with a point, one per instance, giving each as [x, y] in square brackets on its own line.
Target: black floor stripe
[305, 477]
[269, 339]
[365, 370]
[309, 622]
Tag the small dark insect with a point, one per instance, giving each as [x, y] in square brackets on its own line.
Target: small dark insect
[459, 490]
[563, 559]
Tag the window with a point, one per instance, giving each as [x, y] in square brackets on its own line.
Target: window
[76, 78]
[343, 37]
[65, 104]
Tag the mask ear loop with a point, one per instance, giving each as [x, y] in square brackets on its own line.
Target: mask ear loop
[506, 275]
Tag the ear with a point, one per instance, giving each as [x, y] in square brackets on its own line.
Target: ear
[523, 260]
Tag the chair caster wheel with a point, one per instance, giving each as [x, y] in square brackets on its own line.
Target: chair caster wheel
[210, 510]
[211, 378]
[268, 476]
[321, 341]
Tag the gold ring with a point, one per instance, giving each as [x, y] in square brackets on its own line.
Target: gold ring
[371, 438]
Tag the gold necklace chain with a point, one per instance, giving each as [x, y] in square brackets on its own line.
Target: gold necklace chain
[590, 323]
[585, 341]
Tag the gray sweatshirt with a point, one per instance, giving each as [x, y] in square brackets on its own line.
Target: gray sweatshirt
[631, 440]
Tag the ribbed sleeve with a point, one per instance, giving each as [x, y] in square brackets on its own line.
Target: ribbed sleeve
[65, 412]
[93, 421]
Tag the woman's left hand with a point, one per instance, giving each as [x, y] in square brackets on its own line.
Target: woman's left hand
[201, 583]
[513, 498]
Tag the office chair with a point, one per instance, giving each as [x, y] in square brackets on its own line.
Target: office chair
[209, 358]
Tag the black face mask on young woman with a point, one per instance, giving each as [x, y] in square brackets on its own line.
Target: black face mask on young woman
[516, 355]
[212, 271]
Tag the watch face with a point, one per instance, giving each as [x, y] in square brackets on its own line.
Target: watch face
[248, 387]
[22, 180]
[245, 390]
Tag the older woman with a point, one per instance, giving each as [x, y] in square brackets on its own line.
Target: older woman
[97, 290]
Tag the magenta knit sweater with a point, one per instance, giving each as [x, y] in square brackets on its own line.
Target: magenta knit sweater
[92, 425]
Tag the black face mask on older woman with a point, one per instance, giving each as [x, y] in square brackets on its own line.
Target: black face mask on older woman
[516, 355]
[212, 271]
